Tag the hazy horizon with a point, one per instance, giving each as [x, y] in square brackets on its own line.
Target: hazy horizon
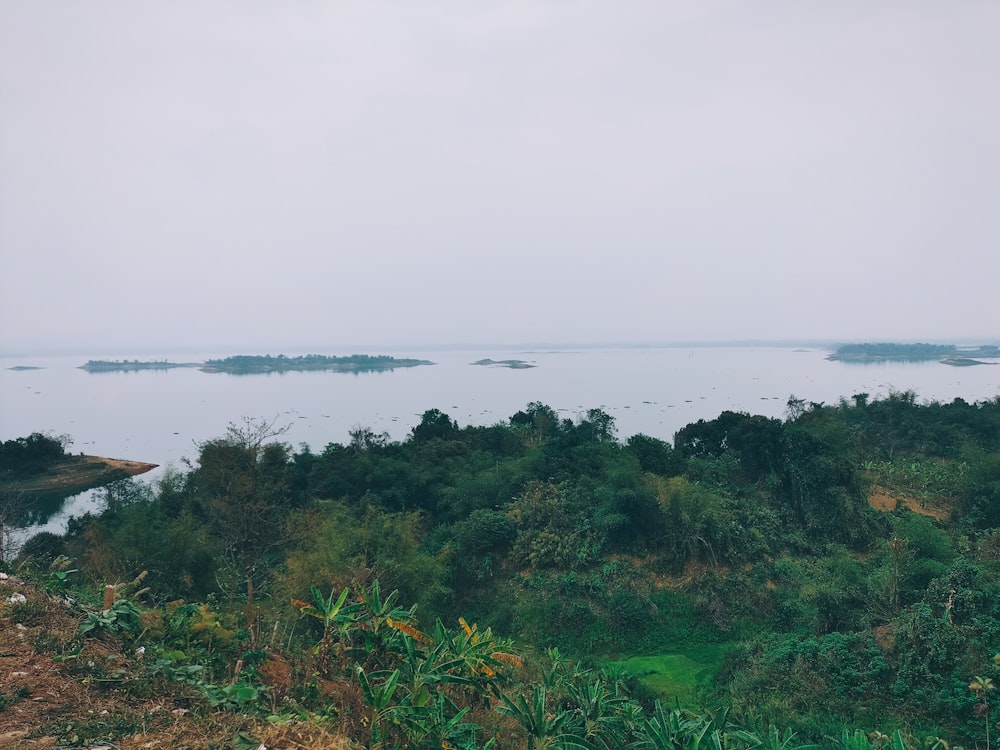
[176, 175]
[522, 347]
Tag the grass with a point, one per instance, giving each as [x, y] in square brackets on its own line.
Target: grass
[676, 676]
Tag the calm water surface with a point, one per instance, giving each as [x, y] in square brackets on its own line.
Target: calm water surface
[160, 416]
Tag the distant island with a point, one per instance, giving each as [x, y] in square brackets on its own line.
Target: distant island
[247, 364]
[124, 365]
[25, 367]
[948, 354]
[253, 364]
[513, 364]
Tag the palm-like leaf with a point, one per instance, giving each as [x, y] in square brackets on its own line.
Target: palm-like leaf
[773, 740]
[545, 729]
[601, 713]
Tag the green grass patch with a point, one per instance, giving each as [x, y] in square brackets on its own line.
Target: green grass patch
[676, 676]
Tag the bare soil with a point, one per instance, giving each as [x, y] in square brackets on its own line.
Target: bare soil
[881, 499]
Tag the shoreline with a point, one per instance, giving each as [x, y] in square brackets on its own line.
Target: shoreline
[77, 474]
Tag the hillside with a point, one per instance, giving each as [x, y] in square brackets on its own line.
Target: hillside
[835, 571]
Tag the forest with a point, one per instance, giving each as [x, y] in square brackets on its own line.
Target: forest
[830, 579]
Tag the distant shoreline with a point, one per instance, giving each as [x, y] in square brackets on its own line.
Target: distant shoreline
[948, 354]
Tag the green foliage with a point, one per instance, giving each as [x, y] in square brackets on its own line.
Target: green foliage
[554, 529]
[338, 544]
[122, 618]
[245, 364]
[782, 679]
[654, 455]
[680, 678]
[746, 530]
[31, 455]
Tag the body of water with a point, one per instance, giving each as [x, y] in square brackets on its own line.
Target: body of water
[159, 416]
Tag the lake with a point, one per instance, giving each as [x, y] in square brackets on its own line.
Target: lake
[159, 416]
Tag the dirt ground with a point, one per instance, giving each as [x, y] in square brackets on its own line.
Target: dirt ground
[46, 702]
[881, 499]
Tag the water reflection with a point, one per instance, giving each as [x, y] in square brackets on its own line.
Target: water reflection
[31, 513]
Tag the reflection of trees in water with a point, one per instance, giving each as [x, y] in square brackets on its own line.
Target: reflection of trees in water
[12, 503]
[22, 513]
[39, 507]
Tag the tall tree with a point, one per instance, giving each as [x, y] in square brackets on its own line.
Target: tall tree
[243, 481]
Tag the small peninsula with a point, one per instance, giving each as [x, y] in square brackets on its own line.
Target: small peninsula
[70, 474]
[254, 364]
[513, 364]
[949, 354]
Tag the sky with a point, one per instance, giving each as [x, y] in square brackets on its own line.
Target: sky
[245, 175]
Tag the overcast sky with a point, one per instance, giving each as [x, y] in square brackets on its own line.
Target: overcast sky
[249, 175]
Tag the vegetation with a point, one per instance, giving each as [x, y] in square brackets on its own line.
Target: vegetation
[31, 455]
[103, 365]
[741, 566]
[248, 364]
[948, 353]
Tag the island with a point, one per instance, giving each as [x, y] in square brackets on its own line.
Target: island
[25, 367]
[513, 364]
[948, 354]
[253, 364]
[101, 365]
[250, 364]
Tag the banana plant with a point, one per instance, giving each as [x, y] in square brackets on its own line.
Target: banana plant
[476, 654]
[423, 671]
[982, 687]
[546, 729]
[378, 696]
[858, 740]
[675, 730]
[382, 623]
[601, 712]
[337, 619]
[441, 725]
[773, 740]
[561, 672]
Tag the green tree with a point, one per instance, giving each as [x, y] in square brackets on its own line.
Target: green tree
[243, 483]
